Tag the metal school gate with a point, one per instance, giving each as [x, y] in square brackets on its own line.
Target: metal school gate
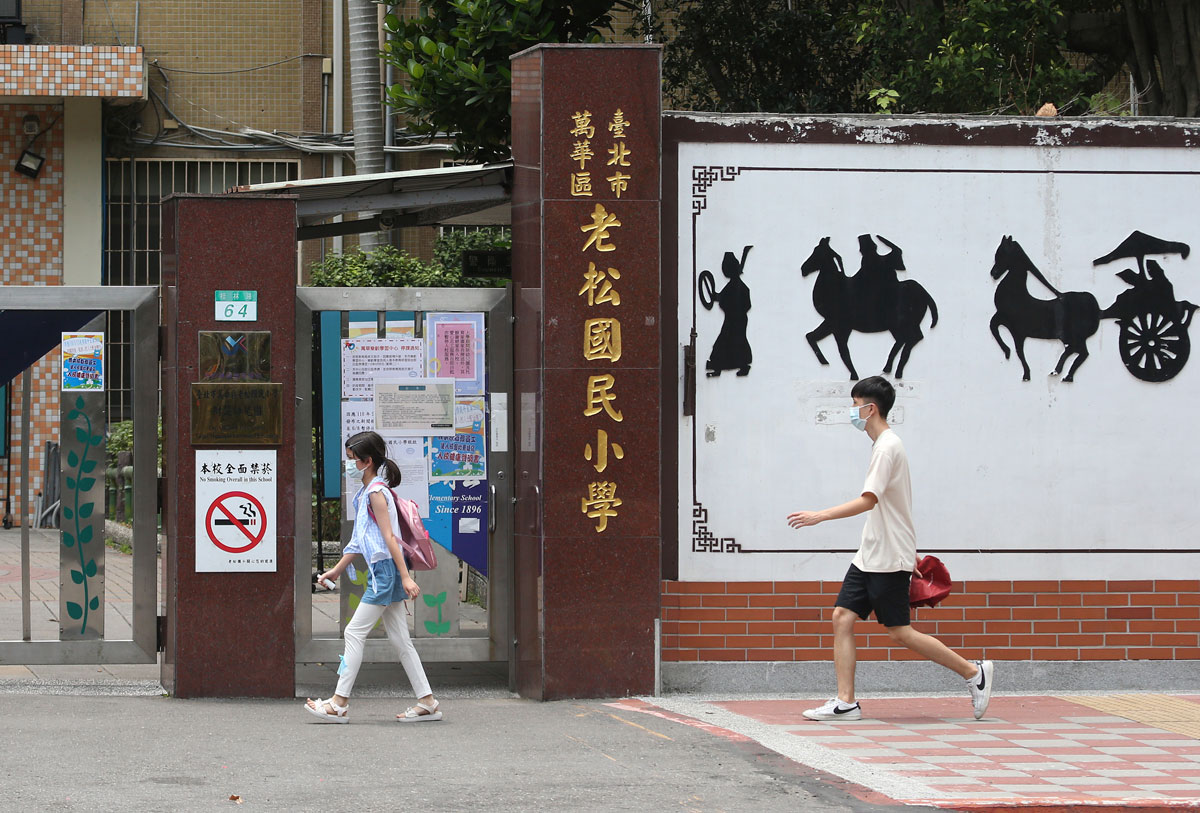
[349, 340]
[68, 558]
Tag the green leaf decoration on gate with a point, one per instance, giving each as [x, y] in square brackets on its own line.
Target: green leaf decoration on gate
[438, 627]
[77, 486]
[353, 600]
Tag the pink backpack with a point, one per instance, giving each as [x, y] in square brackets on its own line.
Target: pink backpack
[411, 534]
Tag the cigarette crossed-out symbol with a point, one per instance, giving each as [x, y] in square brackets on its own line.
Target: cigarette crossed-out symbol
[242, 514]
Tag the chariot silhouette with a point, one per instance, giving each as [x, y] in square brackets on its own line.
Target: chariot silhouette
[1153, 343]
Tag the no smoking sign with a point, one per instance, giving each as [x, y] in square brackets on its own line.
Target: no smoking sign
[235, 511]
[236, 522]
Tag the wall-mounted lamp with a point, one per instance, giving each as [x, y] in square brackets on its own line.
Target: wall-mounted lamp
[30, 163]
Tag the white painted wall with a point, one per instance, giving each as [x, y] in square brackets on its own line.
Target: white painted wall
[83, 205]
[1106, 462]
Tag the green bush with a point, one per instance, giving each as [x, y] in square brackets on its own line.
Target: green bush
[448, 249]
[388, 267]
[120, 439]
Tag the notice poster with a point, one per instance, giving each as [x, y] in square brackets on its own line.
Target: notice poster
[364, 360]
[414, 407]
[235, 511]
[409, 455]
[455, 349]
[399, 323]
[357, 416]
[83, 361]
[362, 325]
[461, 456]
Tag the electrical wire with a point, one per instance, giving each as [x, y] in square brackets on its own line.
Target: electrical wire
[116, 33]
[236, 70]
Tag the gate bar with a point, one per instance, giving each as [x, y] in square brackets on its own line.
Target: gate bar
[23, 506]
[142, 300]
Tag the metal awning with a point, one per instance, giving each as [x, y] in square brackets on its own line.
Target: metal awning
[470, 195]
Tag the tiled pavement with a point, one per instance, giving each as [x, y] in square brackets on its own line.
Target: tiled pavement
[1126, 750]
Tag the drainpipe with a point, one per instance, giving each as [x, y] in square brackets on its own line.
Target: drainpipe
[339, 79]
[389, 79]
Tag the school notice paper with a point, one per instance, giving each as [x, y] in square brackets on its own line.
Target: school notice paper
[414, 406]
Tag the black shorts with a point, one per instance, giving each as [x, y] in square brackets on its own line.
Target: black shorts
[885, 593]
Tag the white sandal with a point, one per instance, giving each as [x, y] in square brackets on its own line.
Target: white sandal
[337, 714]
[421, 713]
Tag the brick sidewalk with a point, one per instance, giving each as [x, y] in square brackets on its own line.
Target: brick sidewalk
[1115, 750]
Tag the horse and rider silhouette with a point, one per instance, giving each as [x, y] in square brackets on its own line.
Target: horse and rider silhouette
[874, 300]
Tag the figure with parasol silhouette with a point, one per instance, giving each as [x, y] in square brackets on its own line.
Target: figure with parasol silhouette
[1154, 342]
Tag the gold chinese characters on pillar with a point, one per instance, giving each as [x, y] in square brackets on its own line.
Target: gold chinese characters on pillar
[601, 331]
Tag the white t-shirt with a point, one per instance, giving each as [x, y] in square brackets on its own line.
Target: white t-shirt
[889, 542]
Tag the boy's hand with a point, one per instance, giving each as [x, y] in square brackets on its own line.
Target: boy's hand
[801, 518]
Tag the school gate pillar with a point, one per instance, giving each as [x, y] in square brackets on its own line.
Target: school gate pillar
[228, 391]
[585, 215]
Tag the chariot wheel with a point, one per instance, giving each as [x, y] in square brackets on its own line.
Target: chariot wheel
[1154, 346]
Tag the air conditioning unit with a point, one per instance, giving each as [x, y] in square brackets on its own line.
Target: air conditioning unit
[10, 12]
[12, 29]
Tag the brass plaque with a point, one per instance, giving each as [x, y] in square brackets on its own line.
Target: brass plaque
[237, 414]
[235, 355]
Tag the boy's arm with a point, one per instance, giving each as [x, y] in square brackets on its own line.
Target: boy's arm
[865, 502]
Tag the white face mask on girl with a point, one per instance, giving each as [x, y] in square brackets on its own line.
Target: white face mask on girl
[352, 469]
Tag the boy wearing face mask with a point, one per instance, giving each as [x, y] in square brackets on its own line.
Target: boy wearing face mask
[878, 577]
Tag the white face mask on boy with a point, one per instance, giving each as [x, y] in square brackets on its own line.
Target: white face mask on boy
[859, 423]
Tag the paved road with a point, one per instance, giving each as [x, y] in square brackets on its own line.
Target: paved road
[496, 754]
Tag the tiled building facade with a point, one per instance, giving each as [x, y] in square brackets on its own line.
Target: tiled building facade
[174, 119]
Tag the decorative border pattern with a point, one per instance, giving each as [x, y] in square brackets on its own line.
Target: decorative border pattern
[703, 178]
[704, 540]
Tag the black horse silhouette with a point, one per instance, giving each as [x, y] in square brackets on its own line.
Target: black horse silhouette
[872, 301]
[1070, 317]
[731, 350]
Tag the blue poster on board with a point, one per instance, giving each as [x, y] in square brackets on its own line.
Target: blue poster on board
[470, 504]
[440, 523]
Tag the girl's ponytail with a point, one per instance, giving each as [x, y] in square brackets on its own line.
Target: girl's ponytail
[391, 472]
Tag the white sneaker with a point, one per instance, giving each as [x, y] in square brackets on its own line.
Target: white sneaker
[980, 687]
[835, 710]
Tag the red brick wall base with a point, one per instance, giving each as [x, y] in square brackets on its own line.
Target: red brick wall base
[1001, 620]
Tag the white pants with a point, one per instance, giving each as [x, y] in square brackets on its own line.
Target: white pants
[364, 620]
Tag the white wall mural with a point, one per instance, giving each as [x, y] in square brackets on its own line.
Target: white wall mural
[1032, 306]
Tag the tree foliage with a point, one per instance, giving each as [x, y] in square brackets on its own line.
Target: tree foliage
[812, 56]
[938, 56]
[795, 56]
[454, 59]
[971, 56]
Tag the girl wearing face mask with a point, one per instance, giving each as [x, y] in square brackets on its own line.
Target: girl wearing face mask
[389, 583]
